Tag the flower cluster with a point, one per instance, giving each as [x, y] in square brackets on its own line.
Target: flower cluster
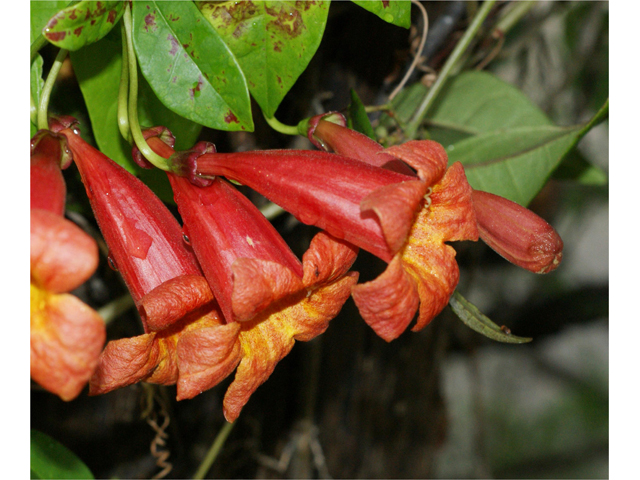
[224, 292]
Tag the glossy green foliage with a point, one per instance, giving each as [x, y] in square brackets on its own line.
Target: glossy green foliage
[83, 23]
[50, 459]
[189, 67]
[273, 42]
[508, 146]
[97, 68]
[397, 12]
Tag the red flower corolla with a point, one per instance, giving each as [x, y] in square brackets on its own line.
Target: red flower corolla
[66, 334]
[513, 231]
[258, 281]
[160, 270]
[378, 210]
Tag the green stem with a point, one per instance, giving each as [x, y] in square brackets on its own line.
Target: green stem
[43, 119]
[515, 13]
[123, 97]
[281, 127]
[37, 44]
[115, 308]
[134, 125]
[213, 451]
[421, 112]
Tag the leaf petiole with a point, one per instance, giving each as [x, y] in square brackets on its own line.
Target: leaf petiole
[281, 127]
[123, 97]
[43, 119]
[134, 125]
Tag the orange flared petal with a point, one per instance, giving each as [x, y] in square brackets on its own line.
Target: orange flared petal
[271, 335]
[429, 158]
[327, 259]
[258, 283]
[124, 362]
[66, 339]
[173, 299]
[388, 303]
[395, 206]
[63, 257]
[450, 216]
[206, 356]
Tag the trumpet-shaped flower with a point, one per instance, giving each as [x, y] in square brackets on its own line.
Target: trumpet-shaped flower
[513, 231]
[66, 334]
[259, 282]
[378, 210]
[147, 247]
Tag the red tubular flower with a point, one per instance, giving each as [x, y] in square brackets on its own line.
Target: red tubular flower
[260, 281]
[516, 233]
[48, 190]
[162, 274]
[513, 231]
[66, 335]
[248, 264]
[375, 209]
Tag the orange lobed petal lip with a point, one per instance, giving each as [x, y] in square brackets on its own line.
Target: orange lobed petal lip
[66, 339]
[173, 299]
[63, 257]
[271, 335]
[206, 356]
[258, 283]
[124, 362]
[424, 272]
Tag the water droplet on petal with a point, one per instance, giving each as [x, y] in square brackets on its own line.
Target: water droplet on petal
[186, 239]
[112, 263]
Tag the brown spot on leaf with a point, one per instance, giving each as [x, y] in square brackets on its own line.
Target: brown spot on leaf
[112, 16]
[56, 36]
[78, 31]
[231, 118]
[287, 21]
[174, 44]
[385, 3]
[150, 23]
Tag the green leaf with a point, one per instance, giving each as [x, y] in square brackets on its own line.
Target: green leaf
[50, 459]
[97, 68]
[189, 67]
[273, 42]
[357, 118]
[41, 13]
[83, 23]
[516, 163]
[476, 320]
[397, 12]
[479, 102]
[469, 104]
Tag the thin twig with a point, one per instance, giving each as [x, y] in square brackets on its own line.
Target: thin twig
[458, 51]
[418, 55]
[213, 452]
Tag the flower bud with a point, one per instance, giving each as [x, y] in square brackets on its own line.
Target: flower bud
[516, 233]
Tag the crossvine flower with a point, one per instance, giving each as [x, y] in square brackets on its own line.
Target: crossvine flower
[66, 334]
[272, 297]
[378, 210]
